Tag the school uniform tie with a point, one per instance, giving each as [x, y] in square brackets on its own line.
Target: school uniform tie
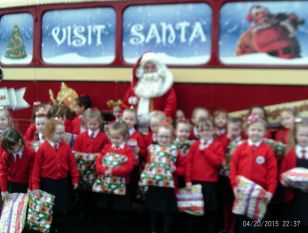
[92, 135]
[303, 154]
[254, 147]
[56, 146]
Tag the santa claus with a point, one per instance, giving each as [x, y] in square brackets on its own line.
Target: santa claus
[274, 34]
[151, 87]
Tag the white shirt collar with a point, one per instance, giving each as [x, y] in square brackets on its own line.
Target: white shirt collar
[206, 143]
[131, 131]
[220, 131]
[251, 143]
[41, 137]
[195, 130]
[298, 151]
[19, 153]
[95, 132]
[121, 145]
[53, 143]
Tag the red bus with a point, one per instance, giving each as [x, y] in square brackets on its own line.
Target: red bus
[214, 48]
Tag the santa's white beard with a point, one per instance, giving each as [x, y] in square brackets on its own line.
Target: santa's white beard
[149, 85]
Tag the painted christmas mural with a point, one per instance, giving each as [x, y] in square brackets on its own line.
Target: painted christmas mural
[264, 33]
[16, 36]
[79, 36]
[179, 33]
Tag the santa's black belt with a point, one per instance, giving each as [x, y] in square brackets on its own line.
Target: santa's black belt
[286, 50]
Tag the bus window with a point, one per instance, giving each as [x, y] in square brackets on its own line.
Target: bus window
[264, 33]
[183, 37]
[16, 33]
[79, 36]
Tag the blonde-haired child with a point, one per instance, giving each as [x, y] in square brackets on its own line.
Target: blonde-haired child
[160, 197]
[156, 119]
[115, 164]
[197, 115]
[54, 164]
[220, 118]
[203, 162]
[295, 210]
[287, 120]
[254, 160]
[89, 143]
[6, 121]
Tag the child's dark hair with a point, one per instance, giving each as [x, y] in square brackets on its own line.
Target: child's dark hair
[11, 137]
[120, 127]
[257, 106]
[83, 101]
[220, 111]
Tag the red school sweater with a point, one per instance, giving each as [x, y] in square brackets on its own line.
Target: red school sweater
[203, 165]
[84, 143]
[136, 136]
[53, 164]
[288, 162]
[16, 170]
[258, 165]
[30, 132]
[122, 170]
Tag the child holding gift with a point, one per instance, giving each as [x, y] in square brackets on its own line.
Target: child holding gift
[160, 198]
[16, 163]
[203, 162]
[114, 165]
[297, 199]
[87, 147]
[53, 165]
[255, 161]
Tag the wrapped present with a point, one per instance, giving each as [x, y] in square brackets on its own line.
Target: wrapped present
[13, 213]
[251, 200]
[111, 184]
[158, 171]
[86, 168]
[191, 201]
[278, 147]
[40, 211]
[183, 147]
[296, 178]
[225, 167]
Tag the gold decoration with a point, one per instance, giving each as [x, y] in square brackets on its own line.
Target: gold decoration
[66, 95]
[114, 103]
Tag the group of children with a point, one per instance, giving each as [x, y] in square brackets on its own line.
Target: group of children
[211, 150]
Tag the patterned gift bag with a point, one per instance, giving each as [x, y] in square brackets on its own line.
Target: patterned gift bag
[40, 211]
[13, 213]
[278, 147]
[111, 184]
[296, 178]
[158, 171]
[251, 199]
[86, 168]
[191, 201]
[225, 167]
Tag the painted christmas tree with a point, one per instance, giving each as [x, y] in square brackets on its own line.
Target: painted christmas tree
[16, 47]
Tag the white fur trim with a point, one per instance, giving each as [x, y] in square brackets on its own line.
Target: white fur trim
[143, 106]
[162, 70]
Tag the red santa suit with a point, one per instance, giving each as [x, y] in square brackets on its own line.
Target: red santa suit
[147, 99]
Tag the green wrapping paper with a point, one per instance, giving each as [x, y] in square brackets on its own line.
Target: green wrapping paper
[111, 184]
[86, 168]
[40, 211]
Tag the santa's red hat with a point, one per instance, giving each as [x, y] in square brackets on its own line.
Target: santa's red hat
[254, 10]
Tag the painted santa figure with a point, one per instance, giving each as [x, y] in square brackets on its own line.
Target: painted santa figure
[151, 88]
[274, 34]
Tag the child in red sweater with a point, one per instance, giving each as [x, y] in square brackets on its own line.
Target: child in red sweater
[220, 122]
[287, 120]
[16, 163]
[254, 160]
[89, 144]
[53, 165]
[296, 199]
[158, 176]
[114, 165]
[203, 162]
